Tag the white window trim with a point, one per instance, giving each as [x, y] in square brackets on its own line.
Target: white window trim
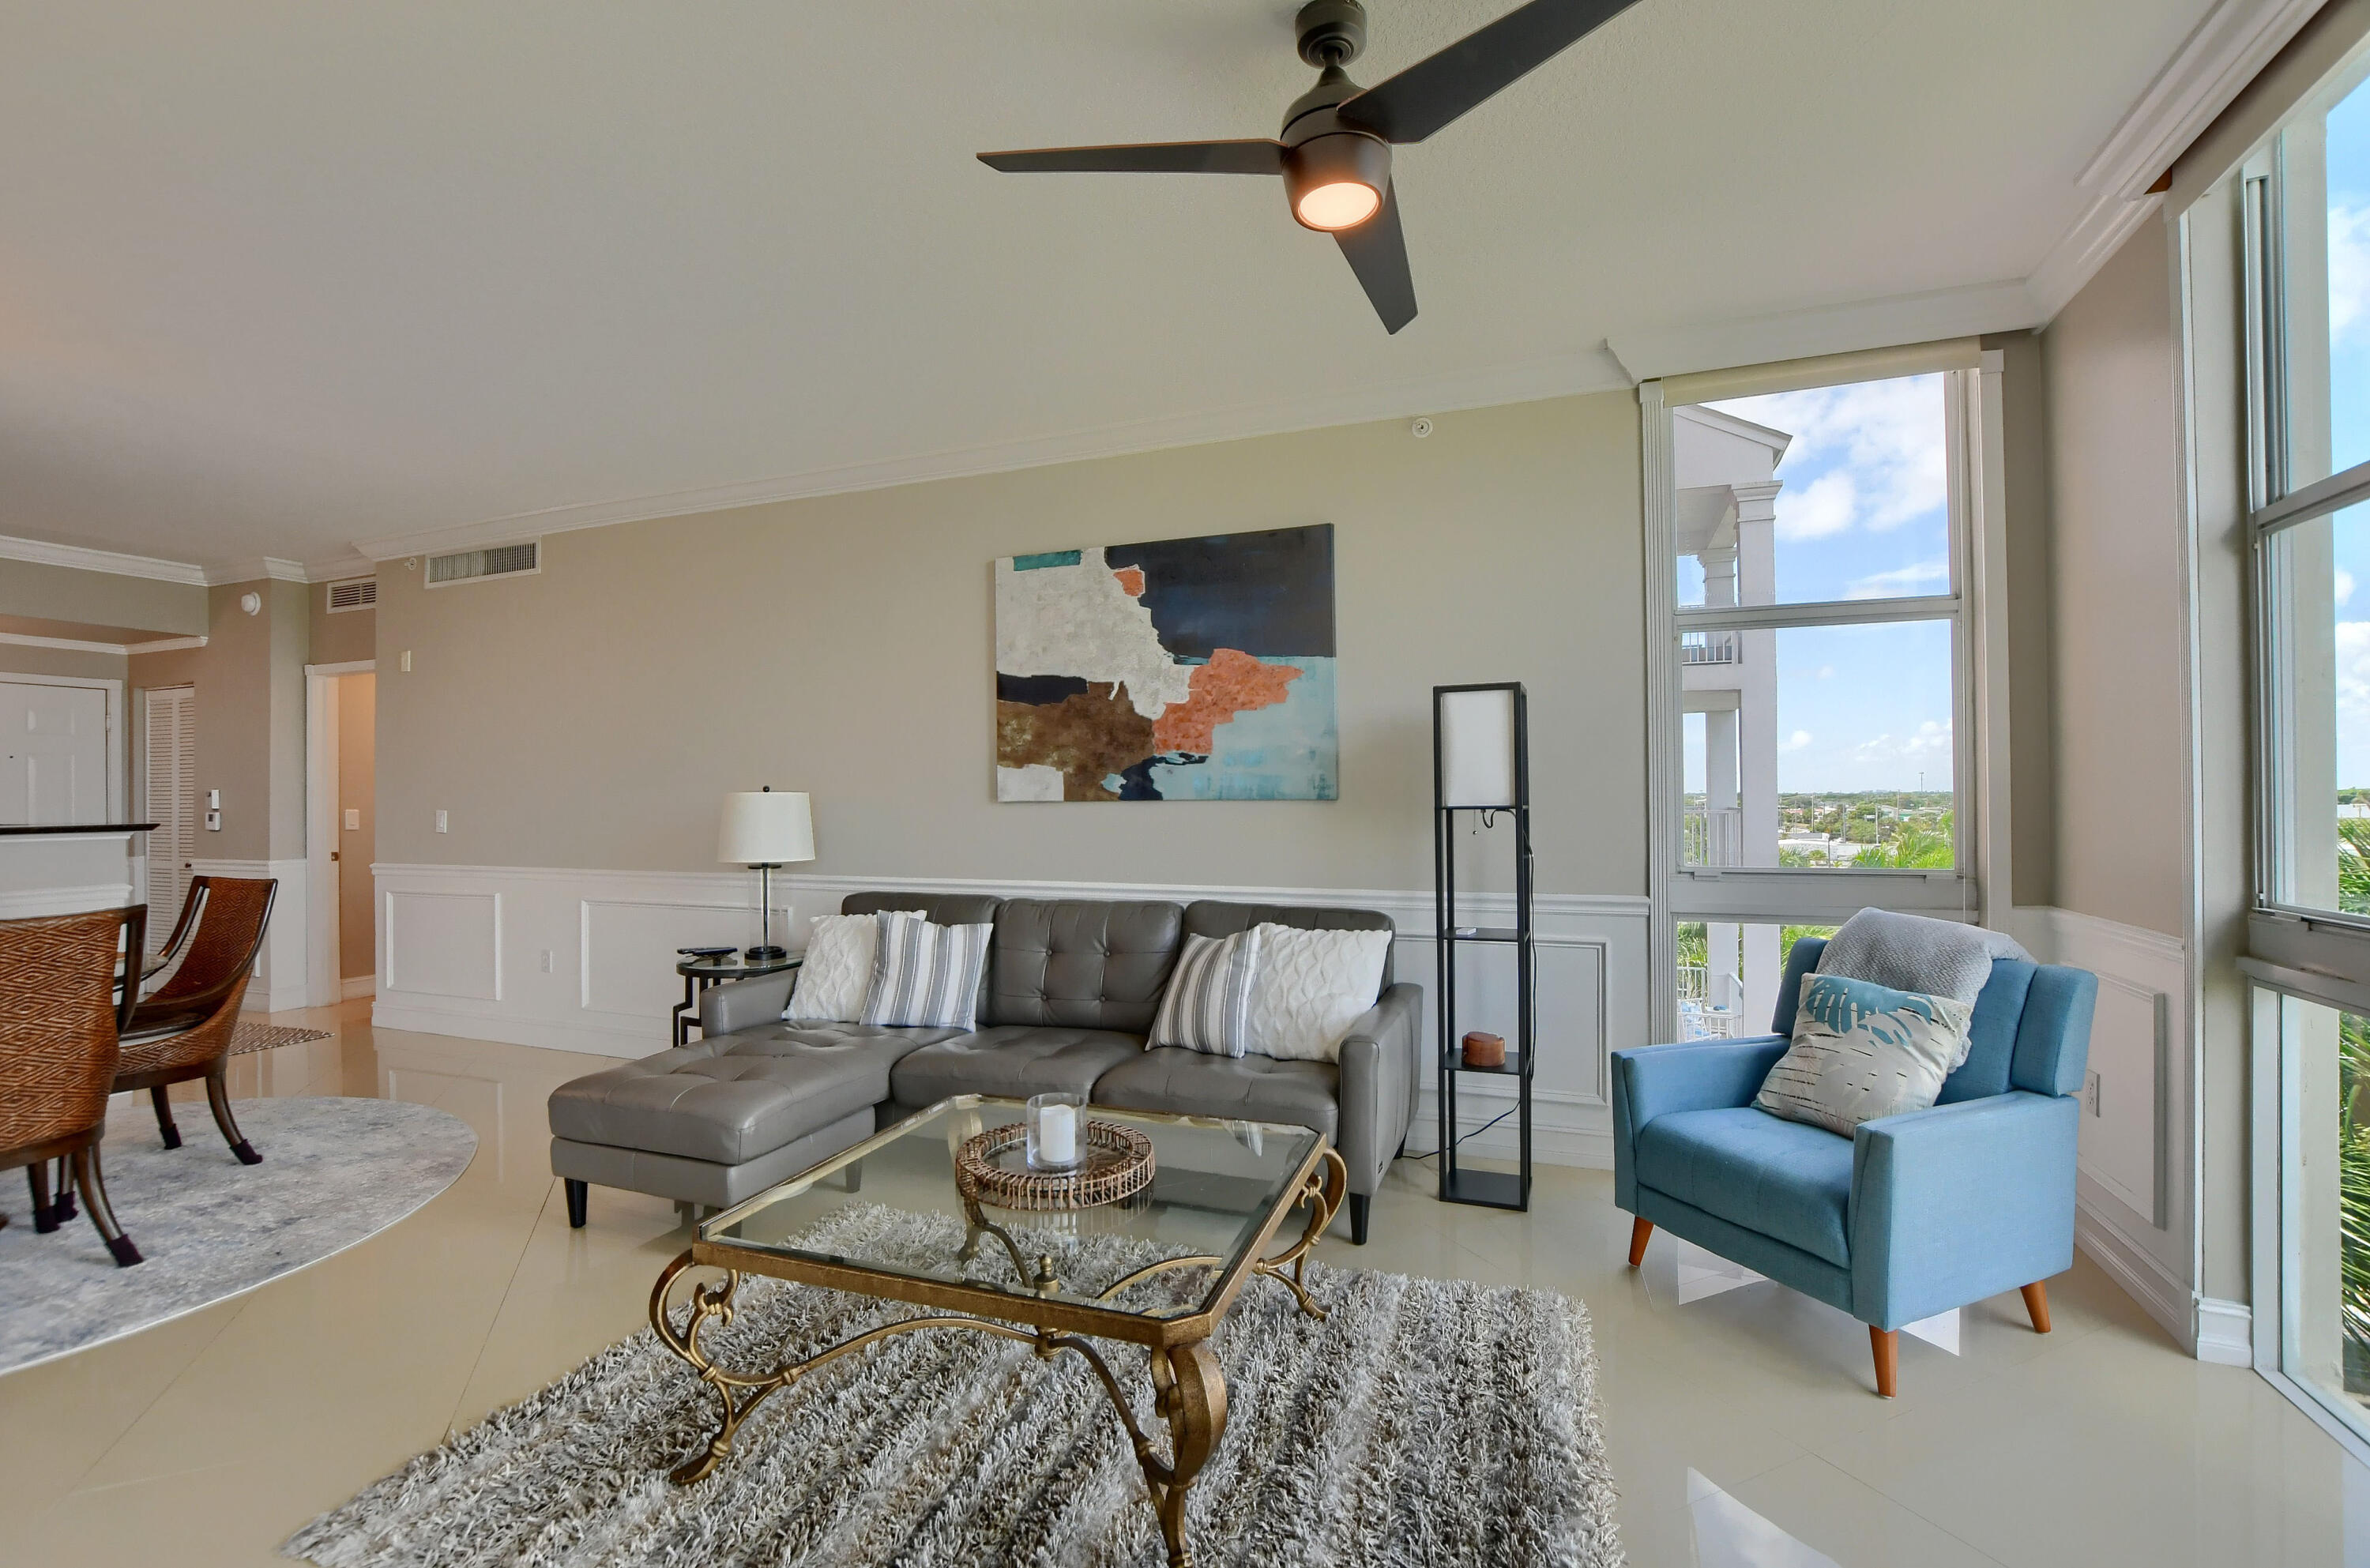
[1982, 889]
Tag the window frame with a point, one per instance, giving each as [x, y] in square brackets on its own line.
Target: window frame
[1972, 607]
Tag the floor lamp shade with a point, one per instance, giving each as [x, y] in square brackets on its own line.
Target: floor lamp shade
[765, 827]
[1478, 766]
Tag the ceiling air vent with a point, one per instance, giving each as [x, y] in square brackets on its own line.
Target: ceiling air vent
[469, 566]
[354, 594]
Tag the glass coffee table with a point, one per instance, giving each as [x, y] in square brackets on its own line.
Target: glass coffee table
[1159, 1269]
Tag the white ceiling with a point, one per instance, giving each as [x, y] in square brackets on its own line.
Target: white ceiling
[275, 278]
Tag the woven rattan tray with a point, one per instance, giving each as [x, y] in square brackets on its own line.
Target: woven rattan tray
[1118, 1165]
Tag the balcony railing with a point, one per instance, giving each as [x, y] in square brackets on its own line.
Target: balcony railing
[1712, 837]
[1708, 648]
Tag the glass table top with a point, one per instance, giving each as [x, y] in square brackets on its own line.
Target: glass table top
[1215, 1185]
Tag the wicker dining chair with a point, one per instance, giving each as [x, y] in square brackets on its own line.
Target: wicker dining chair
[59, 1022]
[183, 1031]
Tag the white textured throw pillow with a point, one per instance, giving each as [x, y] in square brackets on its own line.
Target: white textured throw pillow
[926, 977]
[837, 974]
[1207, 1005]
[1862, 1051]
[1311, 987]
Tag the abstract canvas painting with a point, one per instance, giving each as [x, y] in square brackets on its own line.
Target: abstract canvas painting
[1181, 670]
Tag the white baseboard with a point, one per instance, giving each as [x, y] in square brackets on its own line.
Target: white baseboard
[2161, 1294]
[355, 986]
[2225, 1332]
[464, 950]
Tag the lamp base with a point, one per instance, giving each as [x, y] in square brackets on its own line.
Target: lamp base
[768, 955]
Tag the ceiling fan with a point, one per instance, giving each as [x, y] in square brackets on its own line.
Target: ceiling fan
[1334, 151]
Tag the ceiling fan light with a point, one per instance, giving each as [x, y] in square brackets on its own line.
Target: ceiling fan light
[1345, 203]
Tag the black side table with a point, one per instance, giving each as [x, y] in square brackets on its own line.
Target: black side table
[699, 973]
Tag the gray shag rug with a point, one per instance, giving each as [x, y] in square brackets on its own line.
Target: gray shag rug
[335, 1172]
[1425, 1423]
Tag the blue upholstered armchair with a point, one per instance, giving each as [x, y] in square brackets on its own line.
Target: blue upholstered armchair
[1914, 1215]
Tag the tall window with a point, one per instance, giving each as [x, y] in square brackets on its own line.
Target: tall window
[2304, 213]
[1819, 662]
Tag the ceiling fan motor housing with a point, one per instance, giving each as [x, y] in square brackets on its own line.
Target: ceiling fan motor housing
[1332, 156]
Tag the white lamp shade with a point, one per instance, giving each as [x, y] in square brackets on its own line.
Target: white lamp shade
[1477, 747]
[765, 827]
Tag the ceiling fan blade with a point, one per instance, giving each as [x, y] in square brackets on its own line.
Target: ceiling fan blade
[1430, 93]
[1148, 157]
[1376, 251]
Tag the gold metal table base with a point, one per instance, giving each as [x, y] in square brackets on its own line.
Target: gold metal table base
[1189, 1389]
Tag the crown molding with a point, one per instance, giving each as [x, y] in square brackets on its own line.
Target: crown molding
[2222, 55]
[2100, 232]
[1651, 353]
[41, 552]
[1561, 376]
[353, 564]
[257, 569]
[75, 645]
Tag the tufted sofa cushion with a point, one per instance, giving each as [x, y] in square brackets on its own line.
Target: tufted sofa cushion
[1250, 1088]
[1215, 917]
[739, 1096]
[1082, 963]
[1014, 1060]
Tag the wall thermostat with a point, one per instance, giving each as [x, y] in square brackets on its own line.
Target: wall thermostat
[1419, 427]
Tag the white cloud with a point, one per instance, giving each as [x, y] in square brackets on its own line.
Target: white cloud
[2344, 585]
[1798, 741]
[1826, 672]
[1929, 743]
[1884, 437]
[2349, 269]
[1913, 578]
[1823, 507]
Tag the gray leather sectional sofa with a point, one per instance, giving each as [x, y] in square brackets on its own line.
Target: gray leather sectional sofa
[1069, 994]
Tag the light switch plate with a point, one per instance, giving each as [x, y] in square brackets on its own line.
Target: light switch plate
[213, 800]
[213, 822]
[439, 822]
[354, 819]
[2090, 1093]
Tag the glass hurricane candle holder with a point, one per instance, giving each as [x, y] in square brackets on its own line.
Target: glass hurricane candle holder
[1057, 1131]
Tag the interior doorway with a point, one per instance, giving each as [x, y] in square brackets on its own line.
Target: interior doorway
[340, 840]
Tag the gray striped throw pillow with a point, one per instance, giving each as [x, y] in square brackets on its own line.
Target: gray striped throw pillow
[1208, 1003]
[926, 977]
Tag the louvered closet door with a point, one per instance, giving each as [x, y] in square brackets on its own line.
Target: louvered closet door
[171, 744]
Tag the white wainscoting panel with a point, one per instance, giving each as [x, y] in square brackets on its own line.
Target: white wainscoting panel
[444, 944]
[465, 948]
[2132, 1209]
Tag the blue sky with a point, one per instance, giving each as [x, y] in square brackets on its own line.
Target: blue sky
[2349, 316]
[1863, 515]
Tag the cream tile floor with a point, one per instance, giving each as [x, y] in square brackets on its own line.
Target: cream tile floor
[1742, 1427]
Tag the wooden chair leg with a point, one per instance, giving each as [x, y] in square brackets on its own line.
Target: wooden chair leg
[1886, 1343]
[61, 1203]
[218, 1096]
[94, 1198]
[2036, 1305]
[45, 1217]
[1639, 1231]
[165, 1127]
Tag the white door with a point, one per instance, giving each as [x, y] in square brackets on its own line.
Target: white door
[52, 754]
[171, 748]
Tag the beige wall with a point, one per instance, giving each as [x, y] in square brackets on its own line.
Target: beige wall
[346, 638]
[2031, 665]
[17, 660]
[357, 745]
[101, 598]
[250, 708]
[596, 714]
[2115, 620]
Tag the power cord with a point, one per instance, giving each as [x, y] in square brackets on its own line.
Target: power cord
[1459, 1141]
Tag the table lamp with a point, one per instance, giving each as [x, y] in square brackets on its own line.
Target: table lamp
[763, 829]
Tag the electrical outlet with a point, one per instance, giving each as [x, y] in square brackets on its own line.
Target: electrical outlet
[213, 800]
[440, 822]
[406, 661]
[354, 819]
[213, 822]
[2090, 1093]
[547, 960]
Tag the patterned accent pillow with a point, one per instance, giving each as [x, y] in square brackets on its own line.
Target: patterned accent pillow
[1208, 1003]
[1312, 986]
[1862, 1051]
[926, 977]
[837, 973]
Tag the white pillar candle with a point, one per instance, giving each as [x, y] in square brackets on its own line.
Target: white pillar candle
[1057, 1135]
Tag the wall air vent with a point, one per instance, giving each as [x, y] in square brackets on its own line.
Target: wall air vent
[354, 594]
[471, 566]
